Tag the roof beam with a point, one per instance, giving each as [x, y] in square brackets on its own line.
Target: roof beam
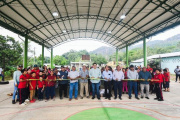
[67, 16]
[142, 19]
[60, 17]
[81, 30]
[133, 18]
[88, 14]
[53, 18]
[43, 16]
[83, 16]
[78, 15]
[98, 15]
[7, 3]
[156, 29]
[155, 18]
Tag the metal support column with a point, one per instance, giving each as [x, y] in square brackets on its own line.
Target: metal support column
[145, 51]
[25, 52]
[116, 56]
[127, 55]
[51, 58]
[42, 55]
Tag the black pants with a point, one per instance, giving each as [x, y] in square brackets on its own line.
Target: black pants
[63, 87]
[22, 95]
[158, 91]
[107, 85]
[40, 93]
[27, 93]
[118, 85]
[177, 76]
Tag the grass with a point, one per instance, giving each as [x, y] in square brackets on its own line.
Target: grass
[110, 114]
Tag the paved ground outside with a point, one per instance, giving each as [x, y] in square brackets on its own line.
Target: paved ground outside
[88, 109]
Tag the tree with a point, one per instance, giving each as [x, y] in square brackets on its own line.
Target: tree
[10, 52]
[59, 60]
[99, 59]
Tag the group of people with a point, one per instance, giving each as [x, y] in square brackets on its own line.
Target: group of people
[28, 82]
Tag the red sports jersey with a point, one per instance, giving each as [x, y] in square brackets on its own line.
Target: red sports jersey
[51, 83]
[28, 76]
[22, 84]
[158, 77]
[33, 83]
[36, 71]
[166, 77]
[149, 69]
[41, 83]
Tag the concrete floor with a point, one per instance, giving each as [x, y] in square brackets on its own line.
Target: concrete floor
[62, 109]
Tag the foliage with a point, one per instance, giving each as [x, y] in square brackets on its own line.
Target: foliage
[59, 60]
[10, 52]
[99, 59]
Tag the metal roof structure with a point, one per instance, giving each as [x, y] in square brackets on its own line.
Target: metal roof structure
[53, 22]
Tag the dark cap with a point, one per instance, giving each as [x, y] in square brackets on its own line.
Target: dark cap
[35, 65]
[62, 66]
[20, 66]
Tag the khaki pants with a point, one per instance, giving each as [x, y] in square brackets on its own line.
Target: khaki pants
[32, 94]
[146, 86]
[82, 85]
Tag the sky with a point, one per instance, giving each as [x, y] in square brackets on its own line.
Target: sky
[82, 44]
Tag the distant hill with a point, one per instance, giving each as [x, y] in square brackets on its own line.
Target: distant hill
[172, 41]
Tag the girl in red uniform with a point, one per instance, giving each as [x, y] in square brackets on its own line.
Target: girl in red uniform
[166, 80]
[22, 87]
[40, 88]
[125, 88]
[32, 87]
[50, 86]
[158, 76]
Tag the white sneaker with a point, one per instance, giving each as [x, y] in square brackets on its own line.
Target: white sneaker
[27, 100]
[22, 104]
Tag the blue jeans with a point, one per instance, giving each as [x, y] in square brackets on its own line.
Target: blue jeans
[134, 85]
[2, 77]
[95, 86]
[15, 92]
[72, 87]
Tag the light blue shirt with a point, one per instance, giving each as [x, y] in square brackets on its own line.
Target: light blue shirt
[107, 74]
[16, 76]
[96, 73]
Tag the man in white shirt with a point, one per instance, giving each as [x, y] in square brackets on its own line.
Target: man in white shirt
[177, 72]
[132, 74]
[1, 74]
[95, 75]
[73, 76]
[118, 76]
[107, 76]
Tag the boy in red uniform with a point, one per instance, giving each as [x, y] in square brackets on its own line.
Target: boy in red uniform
[32, 87]
[40, 88]
[22, 87]
[158, 76]
[28, 76]
[50, 86]
[166, 80]
[36, 70]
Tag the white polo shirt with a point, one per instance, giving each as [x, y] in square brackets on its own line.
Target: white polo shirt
[1, 70]
[73, 74]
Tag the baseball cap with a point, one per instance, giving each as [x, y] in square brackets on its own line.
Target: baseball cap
[35, 66]
[20, 66]
[62, 66]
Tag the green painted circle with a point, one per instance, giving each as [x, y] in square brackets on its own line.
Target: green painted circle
[110, 114]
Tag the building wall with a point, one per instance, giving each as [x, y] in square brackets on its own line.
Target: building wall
[170, 62]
